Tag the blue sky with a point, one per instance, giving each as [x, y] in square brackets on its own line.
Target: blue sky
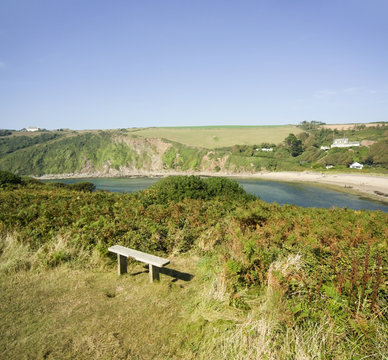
[90, 64]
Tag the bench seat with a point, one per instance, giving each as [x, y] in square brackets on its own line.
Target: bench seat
[154, 262]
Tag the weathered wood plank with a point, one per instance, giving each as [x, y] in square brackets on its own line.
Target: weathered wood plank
[121, 264]
[140, 256]
[154, 273]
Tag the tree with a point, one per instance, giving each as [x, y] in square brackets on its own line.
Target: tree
[379, 153]
[5, 132]
[311, 125]
[294, 145]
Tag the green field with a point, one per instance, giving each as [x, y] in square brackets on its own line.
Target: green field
[212, 137]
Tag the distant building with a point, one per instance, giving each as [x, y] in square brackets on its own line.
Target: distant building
[325, 148]
[344, 143]
[32, 128]
[266, 149]
[356, 165]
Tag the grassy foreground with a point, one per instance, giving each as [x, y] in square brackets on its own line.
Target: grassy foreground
[267, 281]
[64, 313]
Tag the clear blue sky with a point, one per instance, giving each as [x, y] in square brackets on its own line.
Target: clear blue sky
[89, 64]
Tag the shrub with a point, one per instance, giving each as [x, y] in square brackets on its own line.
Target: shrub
[5, 132]
[7, 178]
[83, 186]
[178, 188]
[220, 186]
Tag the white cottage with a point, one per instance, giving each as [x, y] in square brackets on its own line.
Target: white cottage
[344, 143]
[356, 165]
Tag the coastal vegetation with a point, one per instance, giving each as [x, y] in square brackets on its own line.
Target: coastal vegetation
[237, 150]
[269, 281]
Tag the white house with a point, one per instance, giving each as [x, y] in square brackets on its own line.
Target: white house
[32, 128]
[356, 165]
[344, 143]
[266, 149]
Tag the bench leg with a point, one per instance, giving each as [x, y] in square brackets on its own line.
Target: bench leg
[154, 273]
[121, 264]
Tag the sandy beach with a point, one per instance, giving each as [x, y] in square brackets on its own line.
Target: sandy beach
[372, 186]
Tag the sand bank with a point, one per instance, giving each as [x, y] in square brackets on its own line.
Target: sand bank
[374, 186]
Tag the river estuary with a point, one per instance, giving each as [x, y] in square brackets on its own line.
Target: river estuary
[304, 195]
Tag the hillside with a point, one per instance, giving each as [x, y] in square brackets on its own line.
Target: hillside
[167, 150]
[213, 137]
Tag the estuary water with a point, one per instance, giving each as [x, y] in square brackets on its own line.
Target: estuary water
[304, 195]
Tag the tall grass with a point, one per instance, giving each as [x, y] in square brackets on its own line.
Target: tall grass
[261, 333]
[17, 255]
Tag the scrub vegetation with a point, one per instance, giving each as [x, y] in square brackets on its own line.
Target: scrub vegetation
[268, 281]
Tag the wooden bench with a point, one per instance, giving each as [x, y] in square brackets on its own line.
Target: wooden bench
[154, 262]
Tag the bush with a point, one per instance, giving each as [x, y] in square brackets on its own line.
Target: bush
[83, 186]
[178, 188]
[5, 132]
[219, 186]
[7, 178]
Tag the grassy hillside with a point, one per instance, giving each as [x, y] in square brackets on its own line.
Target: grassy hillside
[267, 281]
[122, 152]
[81, 152]
[211, 137]
[141, 151]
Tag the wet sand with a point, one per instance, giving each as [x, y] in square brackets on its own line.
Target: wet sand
[373, 186]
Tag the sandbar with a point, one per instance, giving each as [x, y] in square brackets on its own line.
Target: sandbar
[373, 186]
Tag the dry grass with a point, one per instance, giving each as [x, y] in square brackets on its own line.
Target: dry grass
[261, 332]
[219, 136]
[347, 126]
[73, 314]
[67, 313]
[17, 256]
